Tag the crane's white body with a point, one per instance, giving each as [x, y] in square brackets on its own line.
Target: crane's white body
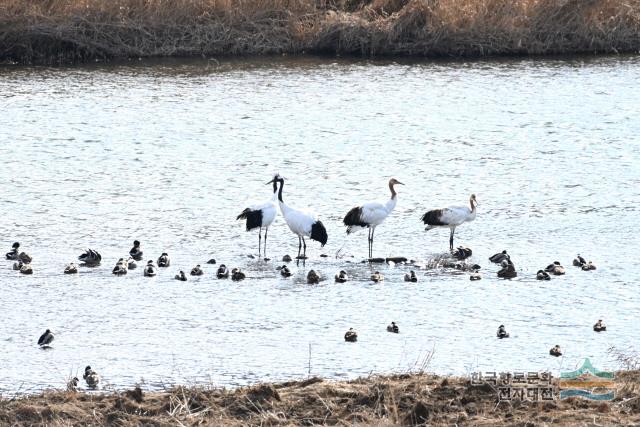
[302, 223]
[374, 213]
[450, 217]
[269, 210]
[298, 221]
[261, 215]
[453, 216]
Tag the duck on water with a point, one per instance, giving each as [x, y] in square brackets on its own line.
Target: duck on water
[12, 255]
[136, 252]
[45, 339]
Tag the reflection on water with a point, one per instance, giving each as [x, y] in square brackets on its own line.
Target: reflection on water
[170, 152]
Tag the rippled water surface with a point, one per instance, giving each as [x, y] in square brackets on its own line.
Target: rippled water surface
[170, 152]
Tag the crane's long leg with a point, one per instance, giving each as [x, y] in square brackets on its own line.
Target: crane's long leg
[369, 243]
[259, 241]
[304, 255]
[266, 230]
[373, 230]
[451, 238]
[299, 245]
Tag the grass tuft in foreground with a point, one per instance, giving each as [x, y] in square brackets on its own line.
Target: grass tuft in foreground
[411, 399]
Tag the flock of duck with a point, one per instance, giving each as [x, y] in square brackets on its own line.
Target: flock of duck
[508, 271]
[90, 376]
[305, 224]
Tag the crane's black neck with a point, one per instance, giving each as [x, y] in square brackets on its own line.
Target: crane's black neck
[281, 187]
[275, 186]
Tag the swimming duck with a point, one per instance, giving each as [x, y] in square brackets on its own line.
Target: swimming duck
[286, 258]
[499, 257]
[71, 269]
[588, 266]
[502, 332]
[12, 255]
[90, 258]
[164, 260]
[150, 269]
[222, 272]
[508, 270]
[579, 261]
[313, 277]
[26, 269]
[284, 271]
[136, 252]
[377, 277]
[393, 328]
[91, 377]
[237, 275]
[461, 252]
[351, 335]
[120, 268]
[72, 385]
[132, 264]
[197, 271]
[45, 339]
[599, 326]
[542, 275]
[342, 277]
[475, 276]
[555, 268]
[211, 261]
[181, 276]
[555, 351]
[17, 265]
[410, 277]
[25, 258]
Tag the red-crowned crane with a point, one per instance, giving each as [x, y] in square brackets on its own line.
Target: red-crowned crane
[301, 223]
[450, 217]
[371, 214]
[261, 216]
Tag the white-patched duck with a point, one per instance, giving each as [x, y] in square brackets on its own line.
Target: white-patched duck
[393, 327]
[197, 271]
[351, 335]
[136, 251]
[555, 351]
[223, 272]
[91, 377]
[150, 270]
[164, 260]
[410, 277]
[341, 277]
[502, 332]
[71, 268]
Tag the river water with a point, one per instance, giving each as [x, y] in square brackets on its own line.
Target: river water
[170, 152]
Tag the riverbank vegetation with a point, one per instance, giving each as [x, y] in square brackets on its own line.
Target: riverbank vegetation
[59, 31]
[411, 399]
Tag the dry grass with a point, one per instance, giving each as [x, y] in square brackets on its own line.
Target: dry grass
[411, 399]
[54, 31]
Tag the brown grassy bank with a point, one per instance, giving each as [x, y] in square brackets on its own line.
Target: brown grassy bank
[415, 399]
[54, 31]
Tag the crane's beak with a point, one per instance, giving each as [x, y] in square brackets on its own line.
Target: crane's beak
[270, 182]
[398, 182]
